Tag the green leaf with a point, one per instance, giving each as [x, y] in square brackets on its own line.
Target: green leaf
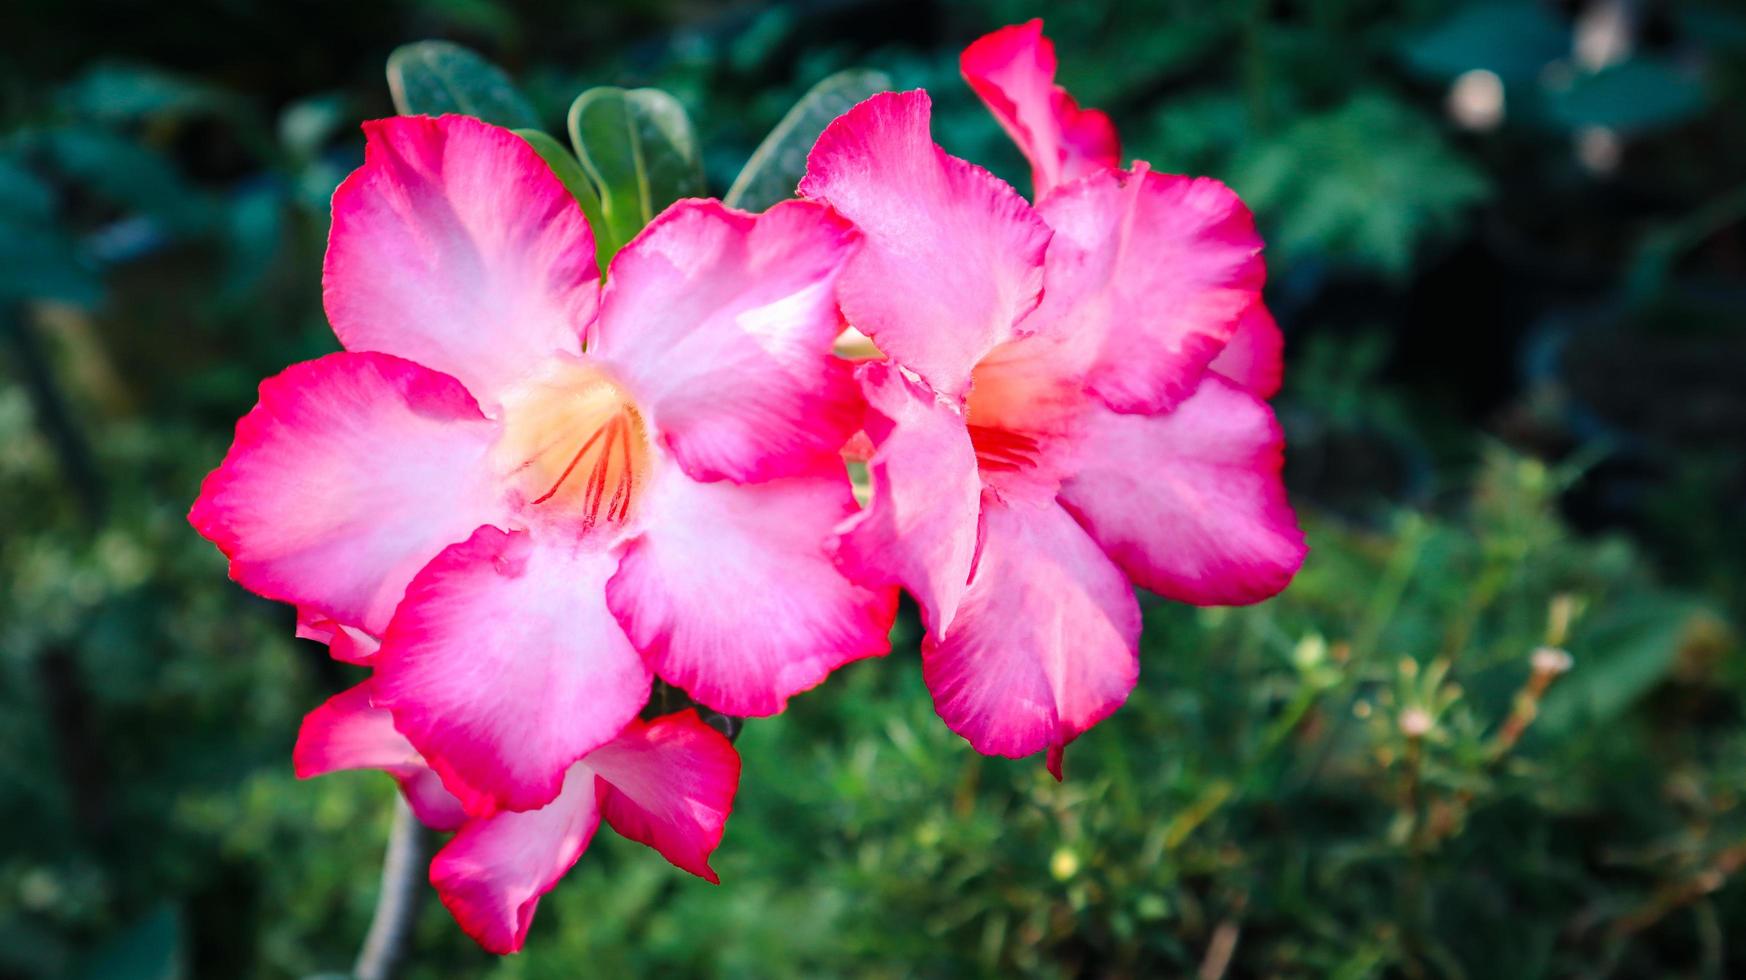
[1623, 652]
[1512, 40]
[37, 261]
[777, 165]
[1712, 27]
[127, 93]
[564, 165]
[131, 175]
[23, 194]
[306, 125]
[1641, 94]
[430, 78]
[255, 223]
[150, 949]
[639, 150]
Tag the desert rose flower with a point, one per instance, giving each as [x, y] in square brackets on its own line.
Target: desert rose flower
[667, 783]
[1046, 428]
[535, 492]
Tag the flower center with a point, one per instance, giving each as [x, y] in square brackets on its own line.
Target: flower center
[574, 445]
[1002, 449]
[999, 414]
[1021, 412]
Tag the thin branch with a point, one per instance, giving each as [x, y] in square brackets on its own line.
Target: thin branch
[403, 887]
[53, 416]
[1220, 950]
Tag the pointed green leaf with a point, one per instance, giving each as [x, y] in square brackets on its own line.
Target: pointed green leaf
[38, 261]
[1621, 654]
[37, 258]
[429, 78]
[124, 94]
[131, 174]
[154, 948]
[558, 157]
[1639, 95]
[1514, 41]
[777, 165]
[23, 194]
[639, 150]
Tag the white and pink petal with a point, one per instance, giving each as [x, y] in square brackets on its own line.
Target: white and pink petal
[730, 593]
[1255, 356]
[350, 474]
[348, 732]
[919, 530]
[1013, 71]
[1044, 644]
[1152, 271]
[1190, 503]
[492, 875]
[347, 644]
[670, 784]
[456, 246]
[503, 666]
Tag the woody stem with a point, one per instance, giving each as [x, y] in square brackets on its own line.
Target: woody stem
[403, 878]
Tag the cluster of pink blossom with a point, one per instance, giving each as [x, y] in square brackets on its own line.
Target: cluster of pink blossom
[520, 494]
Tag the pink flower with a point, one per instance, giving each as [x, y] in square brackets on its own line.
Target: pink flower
[668, 783]
[534, 492]
[1047, 428]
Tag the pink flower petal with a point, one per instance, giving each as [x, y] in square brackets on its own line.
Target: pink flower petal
[456, 246]
[1255, 357]
[314, 626]
[731, 595]
[492, 874]
[347, 644]
[351, 473]
[503, 666]
[1159, 269]
[920, 529]
[347, 732]
[669, 784]
[1190, 503]
[953, 255]
[1013, 70]
[721, 324]
[431, 801]
[1044, 643]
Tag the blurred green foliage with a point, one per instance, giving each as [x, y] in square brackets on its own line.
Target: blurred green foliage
[1514, 415]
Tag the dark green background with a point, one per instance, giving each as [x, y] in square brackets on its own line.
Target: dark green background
[1512, 378]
